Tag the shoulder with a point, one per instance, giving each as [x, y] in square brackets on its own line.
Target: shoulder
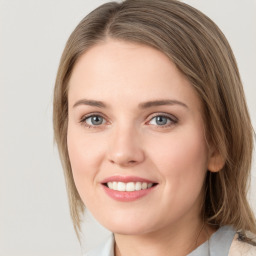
[243, 245]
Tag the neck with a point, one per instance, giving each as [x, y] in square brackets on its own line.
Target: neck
[168, 241]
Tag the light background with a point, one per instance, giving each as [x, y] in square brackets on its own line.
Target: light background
[34, 215]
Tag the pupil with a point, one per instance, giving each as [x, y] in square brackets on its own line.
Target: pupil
[160, 120]
[96, 120]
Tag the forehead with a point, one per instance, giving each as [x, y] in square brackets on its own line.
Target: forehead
[118, 69]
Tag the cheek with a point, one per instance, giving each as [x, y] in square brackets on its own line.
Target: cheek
[85, 158]
[182, 151]
[84, 150]
[182, 160]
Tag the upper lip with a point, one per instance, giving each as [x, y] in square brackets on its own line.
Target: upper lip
[126, 179]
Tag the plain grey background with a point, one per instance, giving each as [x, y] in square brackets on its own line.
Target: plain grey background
[34, 215]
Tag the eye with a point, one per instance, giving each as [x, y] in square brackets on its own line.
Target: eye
[93, 120]
[162, 120]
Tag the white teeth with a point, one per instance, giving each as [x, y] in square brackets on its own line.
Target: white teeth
[150, 185]
[110, 185]
[144, 185]
[121, 186]
[114, 185]
[130, 186]
[138, 186]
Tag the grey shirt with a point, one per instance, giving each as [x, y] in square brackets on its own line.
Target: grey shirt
[218, 245]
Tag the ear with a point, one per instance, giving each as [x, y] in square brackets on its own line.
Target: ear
[216, 162]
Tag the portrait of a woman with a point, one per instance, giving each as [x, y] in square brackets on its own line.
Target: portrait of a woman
[154, 133]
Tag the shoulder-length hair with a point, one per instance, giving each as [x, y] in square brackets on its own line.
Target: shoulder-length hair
[201, 52]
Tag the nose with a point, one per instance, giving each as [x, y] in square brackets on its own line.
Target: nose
[125, 148]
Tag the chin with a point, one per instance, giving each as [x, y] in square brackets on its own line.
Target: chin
[129, 228]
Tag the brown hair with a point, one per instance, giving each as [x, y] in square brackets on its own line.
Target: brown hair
[201, 52]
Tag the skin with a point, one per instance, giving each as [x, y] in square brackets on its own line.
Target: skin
[130, 141]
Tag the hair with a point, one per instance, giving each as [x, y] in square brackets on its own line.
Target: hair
[198, 48]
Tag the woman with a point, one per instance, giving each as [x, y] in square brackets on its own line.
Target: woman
[153, 131]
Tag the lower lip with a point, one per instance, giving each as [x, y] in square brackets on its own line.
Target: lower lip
[125, 196]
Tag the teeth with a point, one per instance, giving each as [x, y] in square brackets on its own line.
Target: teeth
[114, 185]
[150, 185]
[144, 185]
[110, 185]
[138, 186]
[130, 186]
[121, 186]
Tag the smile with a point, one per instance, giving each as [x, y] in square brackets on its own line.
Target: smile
[129, 186]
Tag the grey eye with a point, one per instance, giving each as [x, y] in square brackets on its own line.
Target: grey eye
[161, 120]
[95, 120]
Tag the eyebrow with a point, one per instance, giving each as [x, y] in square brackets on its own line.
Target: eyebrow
[143, 105]
[94, 103]
[155, 103]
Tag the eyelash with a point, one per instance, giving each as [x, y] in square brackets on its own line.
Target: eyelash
[173, 120]
[84, 118]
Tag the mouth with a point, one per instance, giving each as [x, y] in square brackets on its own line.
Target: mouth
[129, 186]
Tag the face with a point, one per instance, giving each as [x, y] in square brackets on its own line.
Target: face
[136, 139]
